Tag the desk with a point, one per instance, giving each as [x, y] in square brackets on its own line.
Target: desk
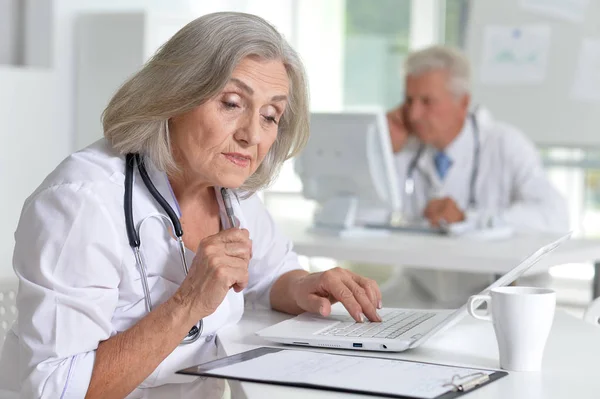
[570, 367]
[443, 253]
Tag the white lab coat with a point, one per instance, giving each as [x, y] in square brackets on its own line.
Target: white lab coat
[511, 189]
[511, 185]
[79, 285]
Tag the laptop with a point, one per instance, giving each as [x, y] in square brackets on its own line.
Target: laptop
[401, 329]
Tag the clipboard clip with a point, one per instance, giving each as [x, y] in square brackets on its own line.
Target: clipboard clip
[467, 382]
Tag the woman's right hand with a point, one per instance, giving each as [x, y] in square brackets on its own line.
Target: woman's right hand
[221, 263]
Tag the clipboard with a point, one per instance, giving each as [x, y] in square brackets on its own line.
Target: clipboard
[264, 365]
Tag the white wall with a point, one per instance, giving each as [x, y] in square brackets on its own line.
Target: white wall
[426, 23]
[110, 48]
[206, 7]
[315, 28]
[30, 148]
[37, 106]
[282, 14]
[320, 42]
[37, 32]
[26, 32]
[8, 31]
[64, 18]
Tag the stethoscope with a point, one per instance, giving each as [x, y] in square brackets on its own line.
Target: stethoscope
[134, 237]
[409, 184]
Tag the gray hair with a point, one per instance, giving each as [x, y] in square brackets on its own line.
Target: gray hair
[190, 69]
[435, 58]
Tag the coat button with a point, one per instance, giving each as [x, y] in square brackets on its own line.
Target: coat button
[209, 338]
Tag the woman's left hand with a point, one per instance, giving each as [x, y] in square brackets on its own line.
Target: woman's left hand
[316, 292]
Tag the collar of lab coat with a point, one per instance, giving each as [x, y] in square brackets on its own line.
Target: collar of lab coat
[461, 145]
[162, 184]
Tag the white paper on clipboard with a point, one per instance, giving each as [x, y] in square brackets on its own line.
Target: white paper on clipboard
[377, 375]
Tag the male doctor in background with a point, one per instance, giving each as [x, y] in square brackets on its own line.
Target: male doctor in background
[457, 166]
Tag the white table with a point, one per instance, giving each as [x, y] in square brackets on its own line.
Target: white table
[570, 368]
[437, 252]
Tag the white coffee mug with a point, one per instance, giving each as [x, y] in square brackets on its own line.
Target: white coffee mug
[522, 318]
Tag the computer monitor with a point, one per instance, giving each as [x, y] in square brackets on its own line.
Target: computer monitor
[348, 165]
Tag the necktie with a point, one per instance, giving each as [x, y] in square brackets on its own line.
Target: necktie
[442, 164]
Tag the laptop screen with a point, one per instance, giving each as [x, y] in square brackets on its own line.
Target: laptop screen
[506, 279]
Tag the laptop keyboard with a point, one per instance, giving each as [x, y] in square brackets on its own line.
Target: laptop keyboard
[394, 324]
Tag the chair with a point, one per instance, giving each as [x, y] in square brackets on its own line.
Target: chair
[8, 306]
[592, 313]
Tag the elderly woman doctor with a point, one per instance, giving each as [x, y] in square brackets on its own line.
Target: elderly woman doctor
[113, 298]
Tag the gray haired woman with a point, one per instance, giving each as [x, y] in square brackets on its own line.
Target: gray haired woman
[113, 297]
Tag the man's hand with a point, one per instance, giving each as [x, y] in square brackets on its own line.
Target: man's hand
[399, 131]
[443, 210]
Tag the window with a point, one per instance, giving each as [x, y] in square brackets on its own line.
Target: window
[577, 173]
[456, 13]
[377, 36]
[376, 39]
[376, 43]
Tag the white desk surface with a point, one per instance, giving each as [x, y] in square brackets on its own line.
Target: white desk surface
[439, 252]
[570, 368]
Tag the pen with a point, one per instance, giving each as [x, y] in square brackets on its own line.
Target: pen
[468, 385]
[228, 207]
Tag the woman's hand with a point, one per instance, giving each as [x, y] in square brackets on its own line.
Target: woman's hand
[221, 263]
[316, 293]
